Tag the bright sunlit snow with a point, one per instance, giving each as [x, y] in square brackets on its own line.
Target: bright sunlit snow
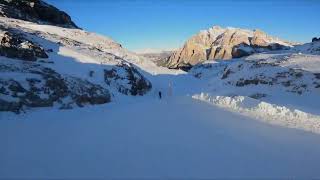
[250, 117]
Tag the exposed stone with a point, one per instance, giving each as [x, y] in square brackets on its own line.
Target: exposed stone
[242, 50]
[220, 43]
[84, 92]
[258, 95]
[10, 106]
[127, 79]
[14, 45]
[315, 39]
[260, 39]
[35, 11]
[43, 87]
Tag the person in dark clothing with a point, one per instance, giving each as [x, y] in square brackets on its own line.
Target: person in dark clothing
[160, 95]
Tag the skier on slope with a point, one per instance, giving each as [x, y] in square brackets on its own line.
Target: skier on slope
[160, 94]
[170, 89]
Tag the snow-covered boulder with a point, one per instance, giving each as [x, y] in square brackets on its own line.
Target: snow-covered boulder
[26, 85]
[242, 50]
[127, 79]
[315, 39]
[14, 45]
[274, 72]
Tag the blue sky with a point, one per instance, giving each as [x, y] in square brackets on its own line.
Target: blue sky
[166, 24]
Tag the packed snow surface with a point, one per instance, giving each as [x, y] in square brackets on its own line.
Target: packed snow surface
[171, 138]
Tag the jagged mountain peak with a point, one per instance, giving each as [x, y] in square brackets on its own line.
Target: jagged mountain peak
[223, 43]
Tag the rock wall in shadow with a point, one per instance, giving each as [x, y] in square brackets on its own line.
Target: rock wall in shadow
[35, 11]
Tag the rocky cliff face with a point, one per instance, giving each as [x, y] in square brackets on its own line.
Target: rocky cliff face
[35, 11]
[223, 43]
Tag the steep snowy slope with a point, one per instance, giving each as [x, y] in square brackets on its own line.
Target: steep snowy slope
[74, 57]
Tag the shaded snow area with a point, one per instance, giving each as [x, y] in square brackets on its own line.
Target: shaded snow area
[176, 138]
[74, 104]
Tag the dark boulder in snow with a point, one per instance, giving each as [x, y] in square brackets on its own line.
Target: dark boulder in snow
[13, 45]
[277, 46]
[35, 11]
[83, 92]
[315, 39]
[31, 85]
[127, 79]
[242, 50]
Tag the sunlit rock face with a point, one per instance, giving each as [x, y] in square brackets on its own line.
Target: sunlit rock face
[223, 43]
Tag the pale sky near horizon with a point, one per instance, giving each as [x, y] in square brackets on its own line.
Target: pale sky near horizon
[167, 24]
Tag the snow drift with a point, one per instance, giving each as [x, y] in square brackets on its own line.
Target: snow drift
[263, 111]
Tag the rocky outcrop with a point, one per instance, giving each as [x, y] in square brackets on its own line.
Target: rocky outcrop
[32, 85]
[35, 11]
[14, 45]
[310, 48]
[127, 79]
[242, 50]
[223, 43]
[315, 39]
[259, 74]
